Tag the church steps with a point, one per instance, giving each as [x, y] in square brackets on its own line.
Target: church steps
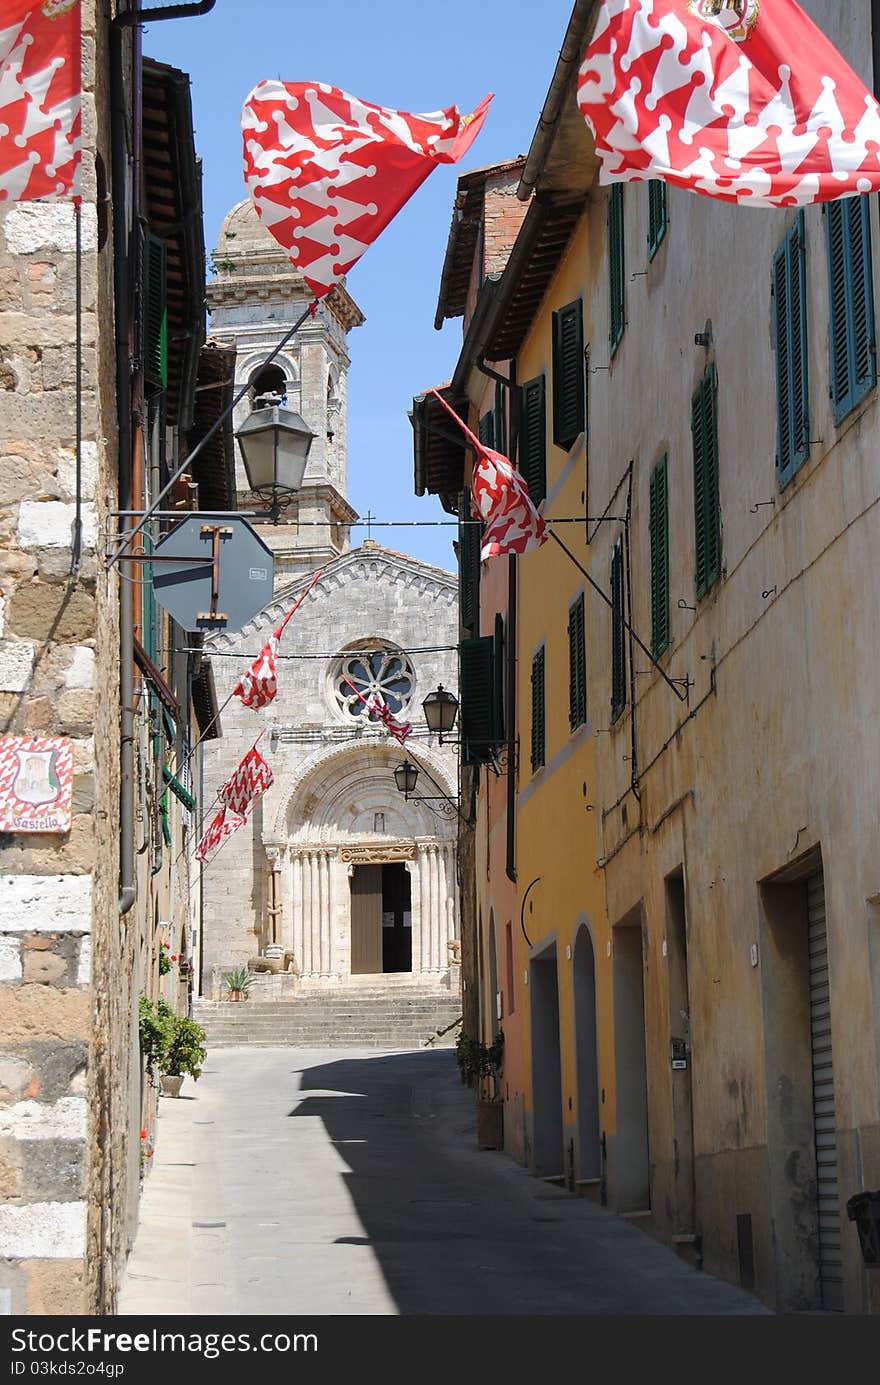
[357, 1019]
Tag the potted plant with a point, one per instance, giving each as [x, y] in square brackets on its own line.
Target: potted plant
[153, 1031]
[238, 983]
[185, 1053]
[480, 1067]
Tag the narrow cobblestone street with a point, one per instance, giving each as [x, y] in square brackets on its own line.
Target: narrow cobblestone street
[296, 1182]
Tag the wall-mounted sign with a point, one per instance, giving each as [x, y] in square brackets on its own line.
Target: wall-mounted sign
[36, 783]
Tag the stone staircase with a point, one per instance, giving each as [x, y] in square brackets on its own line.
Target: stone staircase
[345, 1017]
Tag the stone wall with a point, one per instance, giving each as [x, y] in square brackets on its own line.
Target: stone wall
[58, 642]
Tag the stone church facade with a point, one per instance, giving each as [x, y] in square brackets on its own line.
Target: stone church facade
[336, 876]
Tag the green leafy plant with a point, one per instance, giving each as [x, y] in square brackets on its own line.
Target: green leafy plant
[239, 981]
[154, 1032]
[478, 1061]
[166, 959]
[186, 1051]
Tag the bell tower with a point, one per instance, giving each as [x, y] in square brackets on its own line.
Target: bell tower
[254, 299]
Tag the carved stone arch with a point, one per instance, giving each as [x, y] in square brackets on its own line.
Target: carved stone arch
[248, 364]
[332, 775]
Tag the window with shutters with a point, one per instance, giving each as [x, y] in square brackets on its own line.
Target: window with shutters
[790, 316]
[658, 215]
[469, 535]
[618, 633]
[533, 438]
[539, 731]
[616, 267]
[853, 340]
[577, 665]
[486, 428]
[659, 533]
[707, 512]
[479, 728]
[155, 312]
[568, 374]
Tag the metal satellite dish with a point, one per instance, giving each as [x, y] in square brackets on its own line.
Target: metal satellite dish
[213, 572]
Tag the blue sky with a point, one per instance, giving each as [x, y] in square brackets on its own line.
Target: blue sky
[413, 57]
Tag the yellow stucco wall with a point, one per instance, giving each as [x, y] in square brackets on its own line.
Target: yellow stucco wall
[557, 808]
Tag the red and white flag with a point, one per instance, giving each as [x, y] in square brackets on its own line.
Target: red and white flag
[378, 708]
[259, 683]
[40, 99]
[221, 826]
[237, 797]
[327, 172]
[248, 783]
[500, 498]
[744, 100]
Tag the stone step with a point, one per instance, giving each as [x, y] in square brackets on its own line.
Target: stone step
[373, 1017]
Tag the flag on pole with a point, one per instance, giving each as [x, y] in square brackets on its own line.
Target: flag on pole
[238, 795]
[258, 685]
[248, 783]
[327, 172]
[500, 498]
[377, 707]
[743, 100]
[221, 826]
[40, 99]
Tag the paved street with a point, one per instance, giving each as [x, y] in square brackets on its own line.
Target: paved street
[294, 1182]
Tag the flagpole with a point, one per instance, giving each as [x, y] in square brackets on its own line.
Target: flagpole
[218, 422]
[682, 696]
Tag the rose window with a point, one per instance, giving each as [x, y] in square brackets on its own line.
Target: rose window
[381, 676]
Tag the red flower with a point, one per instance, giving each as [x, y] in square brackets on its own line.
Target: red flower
[173, 958]
[143, 1134]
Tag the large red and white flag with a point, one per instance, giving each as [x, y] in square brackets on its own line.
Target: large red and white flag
[247, 783]
[40, 99]
[258, 685]
[744, 100]
[221, 826]
[327, 172]
[238, 795]
[500, 498]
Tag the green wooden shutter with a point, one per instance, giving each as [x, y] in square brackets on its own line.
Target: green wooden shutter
[577, 665]
[533, 438]
[792, 384]
[852, 330]
[539, 729]
[479, 730]
[499, 424]
[155, 303]
[486, 429]
[469, 535]
[618, 640]
[659, 535]
[498, 675]
[658, 215]
[568, 374]
[707, 514]
[616, 267]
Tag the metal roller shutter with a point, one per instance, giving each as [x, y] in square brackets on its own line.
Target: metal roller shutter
[824, 1123]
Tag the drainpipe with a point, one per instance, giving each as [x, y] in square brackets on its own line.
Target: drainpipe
[570, 57]
[122, 295]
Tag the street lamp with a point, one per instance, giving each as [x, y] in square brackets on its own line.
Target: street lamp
[441, 709]
[406, 777]
[275, 444]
